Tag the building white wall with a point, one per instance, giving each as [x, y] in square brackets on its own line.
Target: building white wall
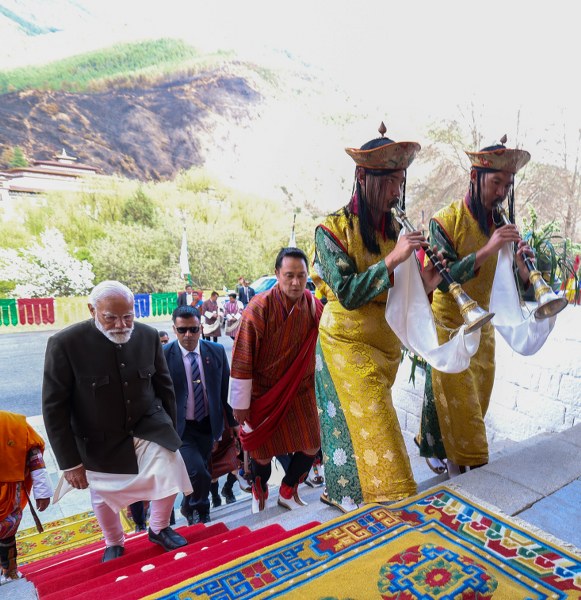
[531, 395]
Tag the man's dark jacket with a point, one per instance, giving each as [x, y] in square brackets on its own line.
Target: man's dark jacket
[182, 299]
[97, 396]
[217, 379]
[245, 297]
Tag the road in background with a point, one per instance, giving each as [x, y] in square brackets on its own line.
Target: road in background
[22, 363]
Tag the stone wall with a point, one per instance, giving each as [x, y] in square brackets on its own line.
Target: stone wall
[531, 395]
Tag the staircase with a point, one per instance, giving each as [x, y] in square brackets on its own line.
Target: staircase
[145, 568]
[233, 532]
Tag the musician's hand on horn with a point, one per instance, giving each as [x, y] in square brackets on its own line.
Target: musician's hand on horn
[523, 250]
[431, 278]
[500, 236]
[406, 244]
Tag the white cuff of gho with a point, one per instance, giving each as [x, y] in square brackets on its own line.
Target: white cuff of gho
[41, 486]
[240, 393]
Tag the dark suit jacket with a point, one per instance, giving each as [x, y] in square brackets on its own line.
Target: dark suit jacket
[217, 379]
[97, 396]
[245, 298]
[182, 299]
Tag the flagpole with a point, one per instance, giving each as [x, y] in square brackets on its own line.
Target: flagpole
[184, 261]
[292, 243]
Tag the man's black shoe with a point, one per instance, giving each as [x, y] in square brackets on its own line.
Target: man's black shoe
[216, 501]
[140, 528]
[167, 538]
[228, 495]
[112, 552]
[188, 516]
[201, 517]
[204, 517]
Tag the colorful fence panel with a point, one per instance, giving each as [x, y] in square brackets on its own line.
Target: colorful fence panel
[71, 310]
[36, 311]
[62, 312]
[8, 312]
[163, 303]
[142, 305]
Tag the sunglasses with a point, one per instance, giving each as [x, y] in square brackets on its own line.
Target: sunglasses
[186, 329]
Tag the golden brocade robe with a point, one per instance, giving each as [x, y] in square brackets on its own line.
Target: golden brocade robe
[462, 399]
[356, 363]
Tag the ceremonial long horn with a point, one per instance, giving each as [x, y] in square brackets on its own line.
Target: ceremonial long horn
[548, 303]
[474, 316]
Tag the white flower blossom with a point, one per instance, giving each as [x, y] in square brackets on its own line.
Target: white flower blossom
[46, 269]
[331, 410]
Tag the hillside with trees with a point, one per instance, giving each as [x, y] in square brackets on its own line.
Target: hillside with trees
[145, 111]
[152, 116]
[132, 232]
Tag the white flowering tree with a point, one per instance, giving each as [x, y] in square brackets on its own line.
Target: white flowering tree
[46, 269]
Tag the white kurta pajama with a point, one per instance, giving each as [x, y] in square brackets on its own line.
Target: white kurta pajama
[162, 473]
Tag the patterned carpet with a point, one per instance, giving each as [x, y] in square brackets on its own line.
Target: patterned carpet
[60, 536]
[438, 544]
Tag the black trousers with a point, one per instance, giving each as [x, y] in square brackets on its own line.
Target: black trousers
[196, 450]
[138, 512]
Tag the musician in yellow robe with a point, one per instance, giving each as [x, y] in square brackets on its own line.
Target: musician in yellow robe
[356, 251]
[469, 234]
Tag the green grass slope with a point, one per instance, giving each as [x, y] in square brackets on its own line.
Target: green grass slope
[121, 65]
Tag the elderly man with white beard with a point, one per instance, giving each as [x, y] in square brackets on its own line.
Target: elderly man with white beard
[110, 414]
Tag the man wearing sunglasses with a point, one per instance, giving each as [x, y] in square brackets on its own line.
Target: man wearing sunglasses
[200, 373]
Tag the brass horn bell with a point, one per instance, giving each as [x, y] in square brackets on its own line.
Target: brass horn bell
[474, 316]
[548, 303]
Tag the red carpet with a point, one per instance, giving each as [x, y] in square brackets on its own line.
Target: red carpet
[145, 568]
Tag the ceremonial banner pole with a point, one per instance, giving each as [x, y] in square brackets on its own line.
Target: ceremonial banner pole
[184, 262]
[292, 243]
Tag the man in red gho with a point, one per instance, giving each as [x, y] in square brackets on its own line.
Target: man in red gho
[272, 386]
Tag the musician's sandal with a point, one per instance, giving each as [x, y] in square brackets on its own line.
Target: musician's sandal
[436, 465]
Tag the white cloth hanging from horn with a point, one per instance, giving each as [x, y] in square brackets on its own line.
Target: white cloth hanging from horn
[409, 314]
[524, 334]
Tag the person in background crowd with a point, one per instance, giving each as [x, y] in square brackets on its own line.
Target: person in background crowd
[200, 373]
[246, 293]
[186, 297]
[196, 300]
[211, 318]
[22, 469]
[240, 284]
[110, 413]
[163, 337]
[272, 386]
[232, 313]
